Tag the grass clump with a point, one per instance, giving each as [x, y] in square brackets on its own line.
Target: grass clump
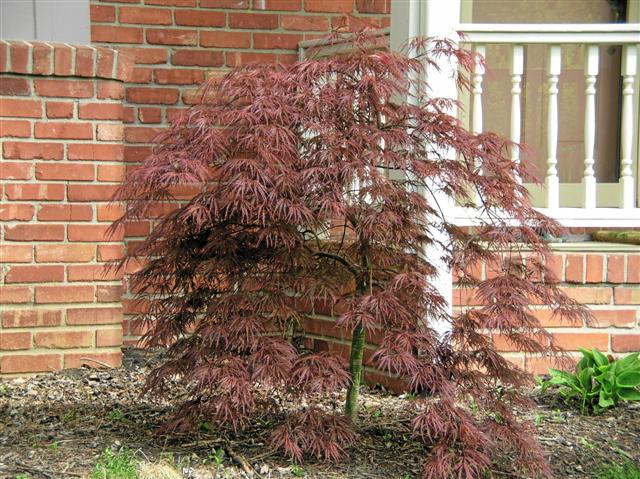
[627, 470]
[121, 464]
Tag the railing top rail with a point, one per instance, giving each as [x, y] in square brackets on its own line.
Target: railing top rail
[554, 33]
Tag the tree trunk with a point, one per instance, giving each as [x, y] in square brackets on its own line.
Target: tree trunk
[355, 368]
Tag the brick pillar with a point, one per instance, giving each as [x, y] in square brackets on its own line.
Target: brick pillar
[62, 151]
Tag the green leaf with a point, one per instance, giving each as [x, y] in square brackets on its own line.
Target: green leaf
[599, 358]
[628, 379]
[605, 400]
[629, 394]
[586, 379]
[628, 362]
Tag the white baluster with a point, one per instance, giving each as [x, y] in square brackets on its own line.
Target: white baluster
[589, 179]
[476, 91]
[517, 68]
[629, 69]
[552, 182]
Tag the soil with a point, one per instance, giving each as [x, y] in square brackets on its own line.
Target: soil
[57, 425]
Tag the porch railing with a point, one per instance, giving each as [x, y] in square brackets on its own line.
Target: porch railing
[586, 204]
[582, 209]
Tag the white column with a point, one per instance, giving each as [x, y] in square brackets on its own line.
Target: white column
[629, 69]
[551, 181]
[517, 69]
[432, 18]
[476, 93]
[588, 178]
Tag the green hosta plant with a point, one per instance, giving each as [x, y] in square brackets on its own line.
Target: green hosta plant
[598, 383]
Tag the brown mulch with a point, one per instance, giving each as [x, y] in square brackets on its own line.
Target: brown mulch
[56, 426]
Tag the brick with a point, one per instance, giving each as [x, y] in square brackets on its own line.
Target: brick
[143, 134]
[85, 61]
[334, 6]
[145, 15]
[15, 294]
[59, 109]
[30, 363]
[12, 86]
[110, 90]
[11, 107]
[62, 253]
[222, 39]
[94, 360]
[109, 294]
[15, 253]
[65, 212]
[41, 59]
[374, 6]
[258, 21]
[106, 59]
[15, 128]
[108, 337]
[236, 59]
[147, 56]
[573, 341]
[65, 171]
[625, 343]
[112, 34]
[63, 339]
[102, 13]
[110, 212]
[633, 268]
[110, 252]
[574, 268]
[100, 111]
[110, 173]
[237, 4]
[34, 232]
[16, 212]
[34, 191]
[92, 233]
[110, 132]
[15, 341]
[92, 273]
[129, 114]
[618, 318]
[627, 295]
[90, 192]
[92, 151]
[547, 319]
[164, 96]
[172, 37]
[273, 41]
[149, 115]
[589, 295]
[142, 75]
[64, 130]
[34, 274]
[175, 3]
[615, 268]
[64, 88]
[31, 151]
[287, 5]
[64, 294]
[136, 154]
[31, 318]
[93, 316]
[62, 59]
[203, 58]
[20, 53]
[200, 18]
[595, 268]
[181, 76]
[13, 170]
[305, 23]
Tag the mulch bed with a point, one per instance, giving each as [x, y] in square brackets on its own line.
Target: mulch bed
[56, 426]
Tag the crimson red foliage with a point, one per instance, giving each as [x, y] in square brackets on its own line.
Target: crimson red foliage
[320, 181]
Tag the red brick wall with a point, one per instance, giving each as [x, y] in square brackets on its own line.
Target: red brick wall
[61, 128]
[607, 282]
[178, 43]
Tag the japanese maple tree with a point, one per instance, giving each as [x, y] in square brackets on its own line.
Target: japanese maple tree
[320, 181]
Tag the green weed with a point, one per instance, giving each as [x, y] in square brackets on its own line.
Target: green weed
[115, 465]
[627, 470]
